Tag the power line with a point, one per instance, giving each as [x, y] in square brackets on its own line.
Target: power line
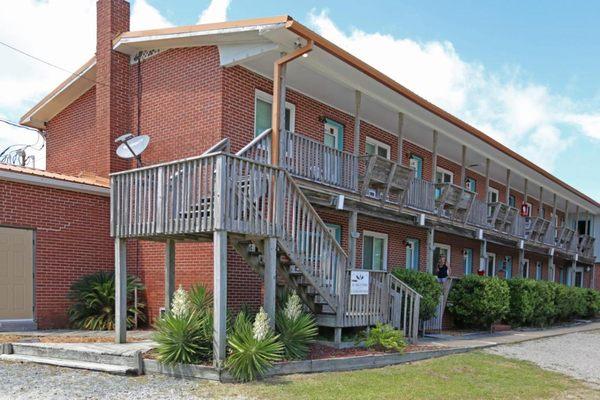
[52, 65]
[18, 126]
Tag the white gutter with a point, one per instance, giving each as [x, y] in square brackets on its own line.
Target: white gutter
[54, 183]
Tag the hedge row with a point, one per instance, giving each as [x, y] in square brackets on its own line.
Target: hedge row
[479, 301]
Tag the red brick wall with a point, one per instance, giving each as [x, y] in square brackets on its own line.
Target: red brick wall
[72, 240]
[71, 144]
[457, 245]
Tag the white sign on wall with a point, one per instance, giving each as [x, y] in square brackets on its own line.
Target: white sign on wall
[359, 282]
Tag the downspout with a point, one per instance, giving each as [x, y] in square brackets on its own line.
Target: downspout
[279, 96]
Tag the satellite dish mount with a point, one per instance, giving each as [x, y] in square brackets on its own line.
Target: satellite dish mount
[132, 146]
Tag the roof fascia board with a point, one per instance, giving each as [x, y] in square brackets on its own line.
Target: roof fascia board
[333, 49]
[28, 120]
[54, 183]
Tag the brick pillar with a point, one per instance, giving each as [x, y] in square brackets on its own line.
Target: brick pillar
[112, 91]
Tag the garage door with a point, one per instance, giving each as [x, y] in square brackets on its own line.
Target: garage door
[16, 273]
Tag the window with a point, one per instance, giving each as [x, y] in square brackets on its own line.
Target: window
[375, 251]
[442, 176]
[491, 264]
[583, 227]
[416, 163]
[512, 200]
[468, 261]
[441, 250]
[373, 146]
[525, 268]
[262, 113]
[412, 254]
[493, 196]
[538, 271]
[471, 184]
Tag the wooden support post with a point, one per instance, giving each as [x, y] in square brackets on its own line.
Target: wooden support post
[463, 167]
[169, 273]
[434, 156]
[571, 273]
[357, 104]
[541, 201]
[352, 227]
[525, 193]
[400, 138]
[577, 219]
[120, 290]
[337, 335]
[554, 218]
[566, 223]
[487, 179]
[521, 262]
[219, 297]
[507, 202]
[270, 275]
[430, 249]
[551, 273]
[483, 256]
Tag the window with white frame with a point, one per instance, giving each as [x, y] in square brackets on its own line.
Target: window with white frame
[493, 195]
[441, 250]
[263, 103]
[374, 146]
[375, 250]
[491, 264]
[525, 268]
[443, 175]
[529, 208]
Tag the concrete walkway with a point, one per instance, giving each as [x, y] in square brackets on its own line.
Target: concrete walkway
[481, 340]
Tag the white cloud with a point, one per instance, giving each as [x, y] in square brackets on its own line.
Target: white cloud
[145, 16]
[215, 12]
[523, 115]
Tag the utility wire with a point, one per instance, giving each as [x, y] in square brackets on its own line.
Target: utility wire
[18, 126]
[52, 65]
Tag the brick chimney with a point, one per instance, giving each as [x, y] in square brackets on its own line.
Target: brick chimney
[113, 91]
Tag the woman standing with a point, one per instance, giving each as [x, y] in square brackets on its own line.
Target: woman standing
[443, 271]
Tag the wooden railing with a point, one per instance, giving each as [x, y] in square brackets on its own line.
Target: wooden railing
[308, 241]
[259, 148]
[404, 306]
[313, 160]
[565, 238]
[586, 246]
[478, 214]
[164, 199]
[366, 310]
[421, 195]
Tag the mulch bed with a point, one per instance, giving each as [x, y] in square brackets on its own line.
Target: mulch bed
[319, 351]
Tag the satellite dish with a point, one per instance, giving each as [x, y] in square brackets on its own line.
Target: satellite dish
[132, 146]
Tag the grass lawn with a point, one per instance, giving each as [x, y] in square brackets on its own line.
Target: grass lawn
[465, 376]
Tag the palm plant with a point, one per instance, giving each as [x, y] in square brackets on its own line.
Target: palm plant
[93, 298]
[297, 329]
[252, 349]
[183, 338]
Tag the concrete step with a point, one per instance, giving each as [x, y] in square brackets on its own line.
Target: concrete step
[78, 352]
[60, 362]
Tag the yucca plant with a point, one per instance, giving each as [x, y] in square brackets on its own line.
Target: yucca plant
[93, 298]
[183, 338]
[252, 348]
[201, 299]
[297, 329]
[384, 337]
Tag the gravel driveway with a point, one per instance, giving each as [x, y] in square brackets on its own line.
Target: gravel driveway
[32, 381]
[576, 354]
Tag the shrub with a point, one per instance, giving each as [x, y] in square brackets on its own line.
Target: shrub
[592, 300]
[252, 348]
[94, 302]
[385, 338]
[531, 302]
[183, 338]
[479, 301]
[184, 334]
[426, 285]
[296, 328]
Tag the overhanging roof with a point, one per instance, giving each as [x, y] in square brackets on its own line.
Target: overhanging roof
[329, 66]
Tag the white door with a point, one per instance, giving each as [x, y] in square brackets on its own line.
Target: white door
[16, 274]
[332, 139]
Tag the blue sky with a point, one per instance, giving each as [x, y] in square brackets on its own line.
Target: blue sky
[525, 72]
